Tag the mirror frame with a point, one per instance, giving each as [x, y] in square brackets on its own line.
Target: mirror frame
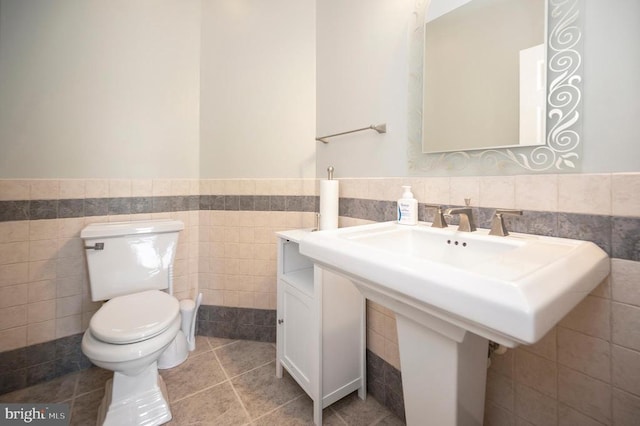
[562, 152]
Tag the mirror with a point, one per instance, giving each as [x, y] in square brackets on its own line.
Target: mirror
[484, 66]
[467, 125]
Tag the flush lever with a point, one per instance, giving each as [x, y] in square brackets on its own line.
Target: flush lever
[97, 246]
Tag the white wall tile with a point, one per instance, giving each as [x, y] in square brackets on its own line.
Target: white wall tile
[41, 311]
[43, 189]
[462, 188]
[72, 189]
[585, 394]
[15, 273]
[14, 252]
[625, 281]
[591, 317]
[41, 332]
[584, 193]
[567, 416]
[13, 295]
[96, 188]
[535, 406]
[436, 190]
[68, 326]
[14, 189]
[41, 290]
[537, 192]
[13, 316]
[46, 229]
[13, 338]
[498, 192]
[14, 231]
[141, 187]
[625, 194]
[536, 372]
[626, 325]
[119, 188]
[626, 369]
[545, 347]
[626, 408]
[583, 353]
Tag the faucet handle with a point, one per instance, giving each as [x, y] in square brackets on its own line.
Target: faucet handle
[497, 224]
[438, 218]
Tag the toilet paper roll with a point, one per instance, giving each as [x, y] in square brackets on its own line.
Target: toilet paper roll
[329, 204]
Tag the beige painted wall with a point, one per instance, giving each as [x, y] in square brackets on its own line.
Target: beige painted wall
[258, 89]
[99, 89]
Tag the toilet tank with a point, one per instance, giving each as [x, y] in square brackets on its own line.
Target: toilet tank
[129, 257]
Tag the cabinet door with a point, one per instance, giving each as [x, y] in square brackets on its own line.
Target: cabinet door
[298, 336]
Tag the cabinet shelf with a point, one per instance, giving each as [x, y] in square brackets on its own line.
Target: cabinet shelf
[302, 279]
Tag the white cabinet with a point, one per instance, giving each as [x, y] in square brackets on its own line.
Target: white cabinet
[321, 327]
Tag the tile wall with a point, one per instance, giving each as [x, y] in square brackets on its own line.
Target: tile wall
[585, 371]
[236, 241]
[44, 292]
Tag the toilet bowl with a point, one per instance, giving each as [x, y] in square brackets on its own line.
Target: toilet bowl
[127, 337]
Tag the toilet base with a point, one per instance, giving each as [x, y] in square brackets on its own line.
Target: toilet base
[135, 400]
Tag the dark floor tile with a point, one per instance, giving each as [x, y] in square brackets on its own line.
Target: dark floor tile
[202, 345]
[92, 379]
[261, 391]
[217, 406]
[390, 420]
[85, 408]
[195, 374]
[217, 342]
[355, 411]
[298, 412]
[243, 356]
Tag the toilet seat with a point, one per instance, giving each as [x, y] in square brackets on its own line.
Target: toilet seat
[134, 317]
[100, 352]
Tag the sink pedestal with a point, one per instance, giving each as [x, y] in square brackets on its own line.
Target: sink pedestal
[444, 370]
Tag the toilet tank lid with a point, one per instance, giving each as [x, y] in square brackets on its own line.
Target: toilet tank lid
[116, 229]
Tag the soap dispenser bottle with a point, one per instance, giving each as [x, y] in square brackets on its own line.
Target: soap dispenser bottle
[407, 208]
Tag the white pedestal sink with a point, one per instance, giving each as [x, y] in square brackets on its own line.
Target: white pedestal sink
[451, 292]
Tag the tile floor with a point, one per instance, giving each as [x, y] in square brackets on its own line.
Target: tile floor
[224, 382]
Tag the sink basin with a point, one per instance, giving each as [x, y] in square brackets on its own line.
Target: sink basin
[508, 289]
[453, 291]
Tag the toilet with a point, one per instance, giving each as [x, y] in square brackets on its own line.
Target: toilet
[130, 265]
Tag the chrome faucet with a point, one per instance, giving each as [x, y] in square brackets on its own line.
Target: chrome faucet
[466, 218]
[438, 217]
[497, 224]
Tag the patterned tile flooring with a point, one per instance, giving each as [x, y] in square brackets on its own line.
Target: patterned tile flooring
[224, 382]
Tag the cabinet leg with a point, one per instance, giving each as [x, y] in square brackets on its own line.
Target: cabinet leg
[317, 412]
[278, 369]
[362, 392]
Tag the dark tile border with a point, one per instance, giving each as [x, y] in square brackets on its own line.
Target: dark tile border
[619, 237]
[237, 323]
[28, 366]
[69, 208]
[384, 383]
